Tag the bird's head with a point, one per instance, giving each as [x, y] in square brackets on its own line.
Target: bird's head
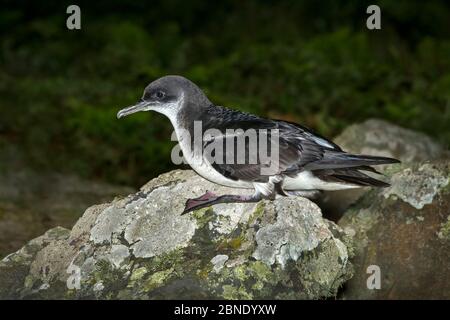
[168, 95]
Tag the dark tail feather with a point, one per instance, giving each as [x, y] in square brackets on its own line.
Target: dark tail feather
[335, 160]
[371, 160]
[362, 181]
[368, 168]
[350, 175]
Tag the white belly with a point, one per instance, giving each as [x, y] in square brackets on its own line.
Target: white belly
[205, 169]
[307, 181]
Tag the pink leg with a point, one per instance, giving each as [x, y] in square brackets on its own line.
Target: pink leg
[200, 202]
[209, 198]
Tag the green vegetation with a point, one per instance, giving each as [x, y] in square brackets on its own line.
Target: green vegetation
[306, 61]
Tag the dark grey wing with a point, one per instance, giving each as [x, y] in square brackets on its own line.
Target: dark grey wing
[299, 148]
[238, 160]
[294, 146]
[319, 153]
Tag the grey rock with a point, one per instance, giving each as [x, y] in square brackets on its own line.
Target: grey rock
[219, 261]
[418, 187]
[379, 138]
[299, 227]
[140, 247]
[405, 231]
[15, 268]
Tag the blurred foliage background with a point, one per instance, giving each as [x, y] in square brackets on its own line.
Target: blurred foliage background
[313, 62]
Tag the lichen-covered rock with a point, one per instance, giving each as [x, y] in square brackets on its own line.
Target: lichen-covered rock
[140, 247]
[15, 268]
[405, 231]
[379, 138]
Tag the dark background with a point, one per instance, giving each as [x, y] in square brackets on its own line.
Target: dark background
[313, 62]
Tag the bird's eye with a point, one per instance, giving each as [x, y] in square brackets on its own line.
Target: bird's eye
[160, 94]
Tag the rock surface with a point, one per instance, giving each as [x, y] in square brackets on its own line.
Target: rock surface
[140, 247]
[379, 138]
[31, 203]
[405, 231]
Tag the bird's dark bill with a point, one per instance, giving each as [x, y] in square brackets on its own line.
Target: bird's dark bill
[132, 109]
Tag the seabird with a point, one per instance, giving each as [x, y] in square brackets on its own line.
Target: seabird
[306, 164]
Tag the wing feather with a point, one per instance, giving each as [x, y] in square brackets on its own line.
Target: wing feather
[299, 148]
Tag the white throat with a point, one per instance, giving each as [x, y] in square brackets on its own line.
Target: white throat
[171, 110]
[198, 164]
